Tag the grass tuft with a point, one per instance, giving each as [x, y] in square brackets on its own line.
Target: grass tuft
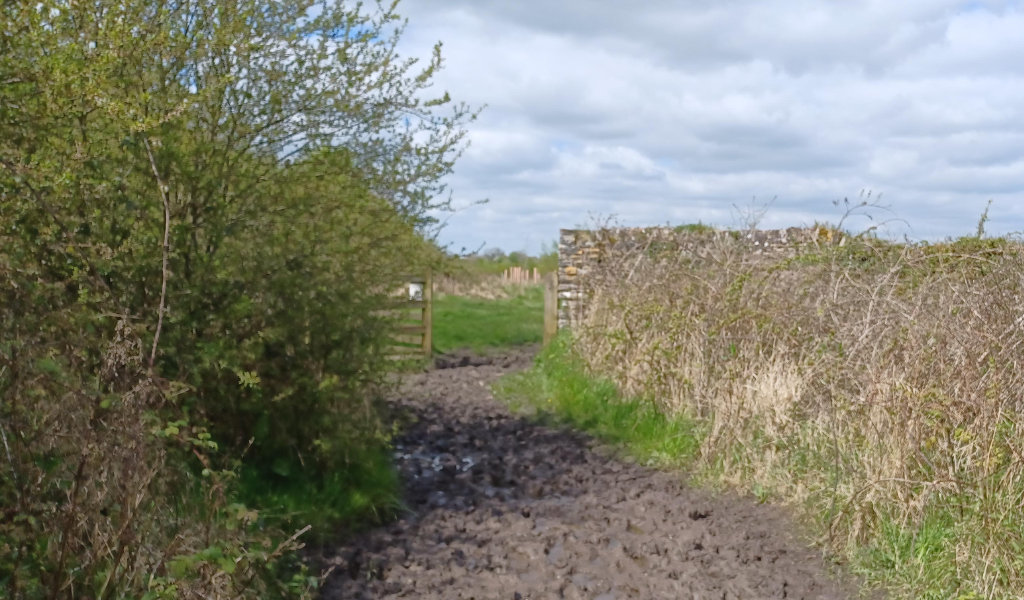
[558, 388]
[359, 494]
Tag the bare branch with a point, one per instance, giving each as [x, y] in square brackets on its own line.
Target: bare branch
[3, 434]
[165, 252]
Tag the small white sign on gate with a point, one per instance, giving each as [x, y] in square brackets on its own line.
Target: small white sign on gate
[416, 291]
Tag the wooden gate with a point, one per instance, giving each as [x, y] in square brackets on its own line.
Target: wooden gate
[413, 335]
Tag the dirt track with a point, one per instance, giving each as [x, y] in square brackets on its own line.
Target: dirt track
[504, 508]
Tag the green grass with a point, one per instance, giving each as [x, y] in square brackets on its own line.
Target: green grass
[914, 559]
[362, 493]
[482, 325]
[557, 388]
[919, 559]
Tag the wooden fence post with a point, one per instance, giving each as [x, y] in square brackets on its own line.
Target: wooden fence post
[428, 315]
[550, 307]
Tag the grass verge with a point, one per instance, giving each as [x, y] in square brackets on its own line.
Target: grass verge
[909, 559]
[362, 493]
[481, 325]
[558, 388]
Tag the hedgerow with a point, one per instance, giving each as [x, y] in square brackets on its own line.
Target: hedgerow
[202, 208]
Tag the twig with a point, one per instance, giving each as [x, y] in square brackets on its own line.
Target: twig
[3, 434]
[639, 257]
[835, 472]
[283, 545]
[8, 449]
[69, 524]
[166, 250]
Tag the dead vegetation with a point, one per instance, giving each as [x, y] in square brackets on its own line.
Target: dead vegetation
[484, 287]
[875, 385]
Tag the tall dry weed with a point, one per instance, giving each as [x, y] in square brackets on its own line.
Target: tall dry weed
[876, 385]
[485, 287]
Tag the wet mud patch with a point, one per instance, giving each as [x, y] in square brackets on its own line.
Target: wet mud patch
[502, 507]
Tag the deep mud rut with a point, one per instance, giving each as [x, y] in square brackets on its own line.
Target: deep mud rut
[504, 508]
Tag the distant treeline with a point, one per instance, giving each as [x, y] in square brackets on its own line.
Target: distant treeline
[494, 261]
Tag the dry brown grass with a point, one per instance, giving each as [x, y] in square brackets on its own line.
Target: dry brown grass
[876, 386]
[484, 287]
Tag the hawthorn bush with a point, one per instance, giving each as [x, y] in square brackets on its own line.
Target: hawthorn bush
[202, 208]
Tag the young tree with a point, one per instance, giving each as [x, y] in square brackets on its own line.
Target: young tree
[202, 205]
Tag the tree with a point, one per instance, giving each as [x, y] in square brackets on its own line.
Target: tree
[202, 205]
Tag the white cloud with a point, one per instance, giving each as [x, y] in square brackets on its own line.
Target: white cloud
[663, 111]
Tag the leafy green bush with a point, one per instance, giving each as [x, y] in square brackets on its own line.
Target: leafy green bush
[203, 207]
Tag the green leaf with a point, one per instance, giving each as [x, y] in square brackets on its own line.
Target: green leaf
[282, 467]
[248, 379]
[180, 566]
[227, 565]
[49, 366]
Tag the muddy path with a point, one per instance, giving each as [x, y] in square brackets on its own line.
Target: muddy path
[504, 508]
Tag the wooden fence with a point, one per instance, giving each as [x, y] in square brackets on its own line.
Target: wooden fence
[414, 323]
[521, 276]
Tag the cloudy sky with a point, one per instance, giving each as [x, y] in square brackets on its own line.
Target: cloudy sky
[656, 111]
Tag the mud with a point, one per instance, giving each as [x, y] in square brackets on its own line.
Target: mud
[501, 507]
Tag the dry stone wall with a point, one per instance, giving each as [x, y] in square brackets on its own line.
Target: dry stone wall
[581, 250]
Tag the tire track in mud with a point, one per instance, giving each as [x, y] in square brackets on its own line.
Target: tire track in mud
[505, 508]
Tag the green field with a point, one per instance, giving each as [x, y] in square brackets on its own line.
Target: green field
[481, 325]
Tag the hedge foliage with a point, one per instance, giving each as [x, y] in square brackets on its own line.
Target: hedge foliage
[202, 207]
